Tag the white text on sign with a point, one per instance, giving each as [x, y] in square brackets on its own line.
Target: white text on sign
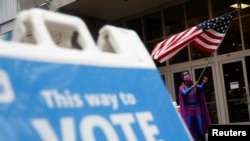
[66, 99]
[89, 123]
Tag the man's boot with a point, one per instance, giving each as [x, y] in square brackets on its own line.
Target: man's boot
[202, 137]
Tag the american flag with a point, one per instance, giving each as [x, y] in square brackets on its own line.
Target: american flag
[206, 36]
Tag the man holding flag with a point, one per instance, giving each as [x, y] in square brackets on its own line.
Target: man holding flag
[206, 36]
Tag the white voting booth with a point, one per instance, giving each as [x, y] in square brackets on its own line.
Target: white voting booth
[58, 84]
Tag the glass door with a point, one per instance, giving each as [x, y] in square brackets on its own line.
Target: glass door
[209, 90]
[236, 90]
[176, 77]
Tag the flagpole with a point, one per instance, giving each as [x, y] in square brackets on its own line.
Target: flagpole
[205, 66]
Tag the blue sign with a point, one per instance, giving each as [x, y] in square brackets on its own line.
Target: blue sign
[68, 102]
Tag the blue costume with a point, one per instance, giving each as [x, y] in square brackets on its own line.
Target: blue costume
[193, 107]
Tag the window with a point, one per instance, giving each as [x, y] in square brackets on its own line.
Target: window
[245, 11]
[197, 12]
[232, 39]
[150, 47]
[174, 23]
[181, 56]
[135, 25]
[153, 26]
[221, 7]
[246, 29]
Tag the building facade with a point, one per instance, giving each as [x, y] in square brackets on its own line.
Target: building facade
[228, 69]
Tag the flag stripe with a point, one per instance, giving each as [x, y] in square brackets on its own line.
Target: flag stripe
[208, 41]
[166, 57]
[203, 46]
[165, 44]
[198, 45]
[209, 38]
[172, 51]
[182, 37]
[169, 47]
[213, 34]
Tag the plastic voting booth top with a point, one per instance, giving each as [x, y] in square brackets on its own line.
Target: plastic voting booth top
[58, 84]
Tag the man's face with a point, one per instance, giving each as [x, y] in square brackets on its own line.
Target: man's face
[187, 79]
